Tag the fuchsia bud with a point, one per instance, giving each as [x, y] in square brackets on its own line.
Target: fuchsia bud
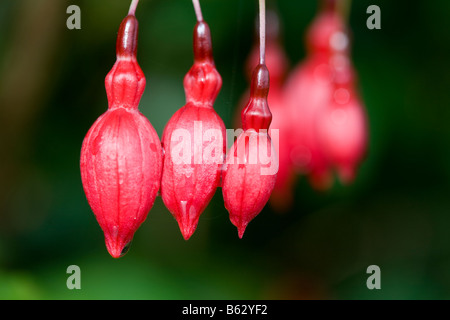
[194, 140]
[277, 64]
[329, 133]
[341, 124]
[121, 156]
[342, 127]
[306, 93]
[251, 166]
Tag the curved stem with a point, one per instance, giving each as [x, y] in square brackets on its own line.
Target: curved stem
[198, 10]
[133, 6]
[262, 31]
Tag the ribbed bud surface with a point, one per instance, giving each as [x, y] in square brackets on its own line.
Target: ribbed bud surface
[194, 141]
[121, 155]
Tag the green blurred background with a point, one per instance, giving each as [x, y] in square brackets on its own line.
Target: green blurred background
[396, 215]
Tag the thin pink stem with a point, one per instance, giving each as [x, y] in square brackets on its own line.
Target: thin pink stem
[133, 6]
[262, 31]
[198, 10]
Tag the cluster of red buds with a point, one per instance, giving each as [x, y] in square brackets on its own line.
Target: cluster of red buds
[316, 109]
[319, 127]
[124, 164]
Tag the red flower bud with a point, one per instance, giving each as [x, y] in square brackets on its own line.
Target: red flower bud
[252, 164]
[194, 140]
[277, 64]
[331, 131]
[121, 156]
[342, 127]
[306, 93]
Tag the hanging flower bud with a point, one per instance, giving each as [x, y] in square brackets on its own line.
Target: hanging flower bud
[277, 64]
[342, 127]
[194, 140]
[121, 155]
[251, 166]
[308, 92]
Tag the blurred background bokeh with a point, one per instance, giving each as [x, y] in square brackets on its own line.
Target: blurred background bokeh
[396, 215]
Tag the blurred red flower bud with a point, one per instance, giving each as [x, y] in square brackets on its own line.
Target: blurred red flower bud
[342, 127]
[307, 92]
[321, 141]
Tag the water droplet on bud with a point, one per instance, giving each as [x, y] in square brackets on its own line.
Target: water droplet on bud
[125, 249]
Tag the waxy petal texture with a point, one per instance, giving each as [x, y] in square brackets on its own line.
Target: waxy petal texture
[194, 141]
[194, 146]
[251, 167]
[120, 170]
[249, 177]
[281, 125]
[121, 155]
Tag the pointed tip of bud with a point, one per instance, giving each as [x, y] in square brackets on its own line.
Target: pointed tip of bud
[187, 228]
[117, 248]
[115, 254]
[241, 231]
[187, 233]
[241, 227]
